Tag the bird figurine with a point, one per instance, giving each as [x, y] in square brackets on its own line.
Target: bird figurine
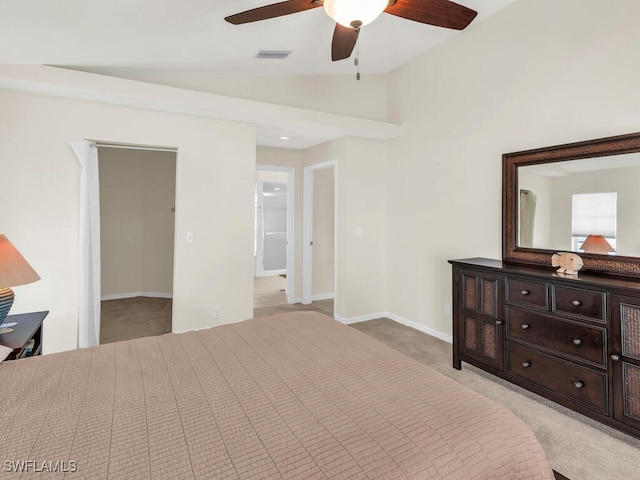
[569, 263]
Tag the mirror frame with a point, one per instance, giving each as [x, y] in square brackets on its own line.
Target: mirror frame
[511, 252]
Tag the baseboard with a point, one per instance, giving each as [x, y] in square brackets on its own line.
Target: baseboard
[121, 296]
[361, 318]
[322, 296]
[398, 319]
[420, 327]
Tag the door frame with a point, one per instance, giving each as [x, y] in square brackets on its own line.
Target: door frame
[291, 224]
[307, 235]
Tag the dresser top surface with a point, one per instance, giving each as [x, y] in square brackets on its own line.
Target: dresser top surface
[549, 274]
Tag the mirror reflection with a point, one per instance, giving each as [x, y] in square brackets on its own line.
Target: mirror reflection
[590, 205]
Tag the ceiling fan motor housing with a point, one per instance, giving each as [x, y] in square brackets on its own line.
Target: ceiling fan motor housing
[354, 13]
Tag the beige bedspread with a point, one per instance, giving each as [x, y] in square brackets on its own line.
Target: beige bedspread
[288, 396]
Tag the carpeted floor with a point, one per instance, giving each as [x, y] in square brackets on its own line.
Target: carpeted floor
[269, 291]
[137, 317]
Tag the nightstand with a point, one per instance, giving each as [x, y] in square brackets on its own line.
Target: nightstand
[29, 327]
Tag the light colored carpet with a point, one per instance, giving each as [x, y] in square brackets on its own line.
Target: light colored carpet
[322, 306]
[269, 291]
[578, 447]
[131, 318]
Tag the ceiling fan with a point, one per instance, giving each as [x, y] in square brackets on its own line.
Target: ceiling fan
[351, 15]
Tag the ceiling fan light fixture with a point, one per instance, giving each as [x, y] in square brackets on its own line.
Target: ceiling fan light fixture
[352, 13]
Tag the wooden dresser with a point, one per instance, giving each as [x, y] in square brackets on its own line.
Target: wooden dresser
[574, 340]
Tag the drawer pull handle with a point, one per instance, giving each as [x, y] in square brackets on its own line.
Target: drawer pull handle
[615, 358]
[579, 384]
[577, 341]
[576, 303]
[524, 292]
[525, 326]
[498, 322]
[526, 364]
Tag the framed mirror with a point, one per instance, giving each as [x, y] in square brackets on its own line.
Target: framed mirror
[581, 197]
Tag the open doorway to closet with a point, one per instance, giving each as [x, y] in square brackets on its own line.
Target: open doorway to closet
[137, 224]
[274, 236]
[319, 240]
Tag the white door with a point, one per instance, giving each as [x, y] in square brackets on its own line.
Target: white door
[319, 277]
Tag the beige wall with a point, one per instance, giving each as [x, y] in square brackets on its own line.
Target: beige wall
[340, 94]
[137, 193]
[624, 181]
[520, 79]
[323, 232]
[541, 187]
[361, 195]
[214, 199]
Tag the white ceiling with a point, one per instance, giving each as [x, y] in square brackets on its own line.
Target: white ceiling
[159, 38]
[191, 35]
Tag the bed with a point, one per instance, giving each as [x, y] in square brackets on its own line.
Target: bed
[297, 395]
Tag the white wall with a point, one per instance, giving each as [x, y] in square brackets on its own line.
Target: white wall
[137, 193]
[534, 74]
[362, 202]
[214, 199]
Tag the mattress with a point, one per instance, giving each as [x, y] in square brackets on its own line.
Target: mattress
[297, 395]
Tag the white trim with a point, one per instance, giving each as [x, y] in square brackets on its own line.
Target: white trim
[398, 319]
[420, 327]
[361, 318]
[322, 296]
[120, 296]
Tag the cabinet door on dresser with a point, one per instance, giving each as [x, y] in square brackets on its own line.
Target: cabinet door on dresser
[625, 356]
[480, 317]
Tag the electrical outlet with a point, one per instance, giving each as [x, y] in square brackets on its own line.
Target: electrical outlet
[447, 309]
[217, 312]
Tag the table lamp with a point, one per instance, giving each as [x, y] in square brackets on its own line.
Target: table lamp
[597, 244]
[14, 271]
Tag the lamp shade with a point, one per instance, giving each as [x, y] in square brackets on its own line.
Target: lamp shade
[14, 269]
[362, 12]
[597, 244]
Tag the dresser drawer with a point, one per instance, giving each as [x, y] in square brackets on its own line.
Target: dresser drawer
[566, 337]
[577, 383]
[583, 303]
[527, 292]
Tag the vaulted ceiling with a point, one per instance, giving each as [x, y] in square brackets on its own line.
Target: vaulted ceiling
[192, 36]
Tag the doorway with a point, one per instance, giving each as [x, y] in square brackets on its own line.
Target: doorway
[274, 246]
[137, 228]
[319, 239]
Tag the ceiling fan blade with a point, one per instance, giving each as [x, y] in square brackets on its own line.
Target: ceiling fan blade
[344, 40]
[441, 13]
[272, 11]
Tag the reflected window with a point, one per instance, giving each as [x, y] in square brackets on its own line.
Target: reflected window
[593, 222]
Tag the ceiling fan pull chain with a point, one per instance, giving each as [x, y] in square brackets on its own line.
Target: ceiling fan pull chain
[357, 59]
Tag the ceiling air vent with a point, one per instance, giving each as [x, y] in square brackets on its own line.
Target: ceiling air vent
[274, 53]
